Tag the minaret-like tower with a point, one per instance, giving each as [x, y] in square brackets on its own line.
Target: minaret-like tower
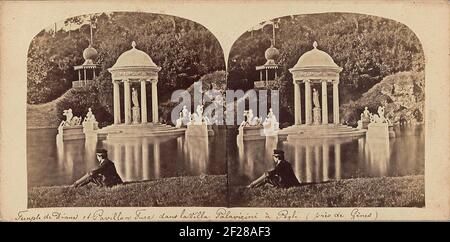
[87, 70]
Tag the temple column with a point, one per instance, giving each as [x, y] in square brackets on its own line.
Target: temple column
[308, 109]
[155, 101]
[336, 102]
[93, 74]
[126, 85]
[324, 102]
[267, 76]
[116, 100]
[79, 75]
[143, 102]
[85, 78]
[260, 76]
[297, 103]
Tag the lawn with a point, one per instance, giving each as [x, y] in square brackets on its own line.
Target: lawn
[407, 191]
[208, 191]
[211, 191]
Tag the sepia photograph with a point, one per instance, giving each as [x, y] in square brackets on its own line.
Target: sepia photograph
[99, 128]
[226, 111]
[349, 100]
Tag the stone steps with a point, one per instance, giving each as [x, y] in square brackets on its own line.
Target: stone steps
[320, 131]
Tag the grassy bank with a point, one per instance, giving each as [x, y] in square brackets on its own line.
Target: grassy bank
[168, 192]
[408, 191]
[196, 191]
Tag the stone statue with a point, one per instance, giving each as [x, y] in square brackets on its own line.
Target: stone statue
[179, 121]
[197, 117]
[185, 113]
[250, 119]
[134, 98]
[89, 116]
[69, 115]
[271, 124]
[366, 114]
[379, 117]
[316, 98]
[70, 119]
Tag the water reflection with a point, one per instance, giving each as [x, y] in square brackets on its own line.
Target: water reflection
[321, 160]
[135, 158]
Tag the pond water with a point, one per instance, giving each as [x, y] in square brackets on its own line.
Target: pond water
[315, 160]
[320, 160]
[54, 163]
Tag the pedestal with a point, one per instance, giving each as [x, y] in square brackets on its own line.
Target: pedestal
[70, 132]
[317, 116]
[90, 127]
[378, 130]
[251, 133]
[136, 115]
[199, 130]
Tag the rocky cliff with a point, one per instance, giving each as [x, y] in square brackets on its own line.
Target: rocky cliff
[403, 95]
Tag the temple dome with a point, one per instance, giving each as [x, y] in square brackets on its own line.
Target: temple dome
[315, 58]
[272, 53]
[134, 58]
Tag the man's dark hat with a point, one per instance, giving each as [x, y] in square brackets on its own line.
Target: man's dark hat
[101, 151]
[278, 152]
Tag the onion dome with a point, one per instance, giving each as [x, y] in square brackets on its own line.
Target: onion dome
[272, 53]
[89, 54]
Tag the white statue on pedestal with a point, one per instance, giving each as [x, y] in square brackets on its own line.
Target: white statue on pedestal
[136, 111]
[250, 120]
[316, 98]
[134, 98]
[90, 117]
[271, 124]
[317, 116]
[184, 117]
[379, 118]
[89, 122]
[197, 118]
[70, 120]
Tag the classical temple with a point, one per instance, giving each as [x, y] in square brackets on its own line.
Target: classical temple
[132, 71]
[316, 70]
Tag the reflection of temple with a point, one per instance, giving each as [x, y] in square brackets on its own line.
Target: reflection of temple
[316, 68]
[136, 158]
[315, 161]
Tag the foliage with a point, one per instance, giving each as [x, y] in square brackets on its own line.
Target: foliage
[80, 99]
[368, 48]
[183, 49]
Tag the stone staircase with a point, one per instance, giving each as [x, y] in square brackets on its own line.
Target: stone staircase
[139, 130]
[321, 131]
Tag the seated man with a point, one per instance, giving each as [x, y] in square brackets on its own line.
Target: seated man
[104, 175]
[282, 176]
